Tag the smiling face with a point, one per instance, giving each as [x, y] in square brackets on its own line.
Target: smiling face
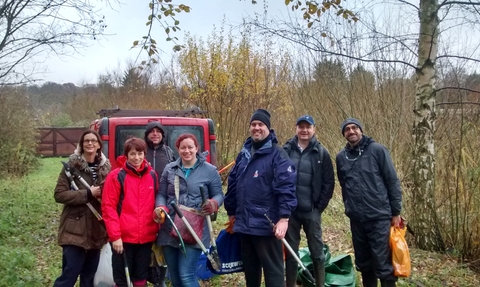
[187, 149]
[305, 131]
[155, 136]
[135, 158]
[258, 131]
[90, 144]
[353, 134]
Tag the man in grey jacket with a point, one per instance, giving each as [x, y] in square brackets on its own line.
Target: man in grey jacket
[373, 201]
[315, 184]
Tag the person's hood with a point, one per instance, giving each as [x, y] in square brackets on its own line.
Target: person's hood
[149, 128]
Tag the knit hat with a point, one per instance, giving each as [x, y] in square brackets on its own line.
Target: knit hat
[351, 121]
[261, 115]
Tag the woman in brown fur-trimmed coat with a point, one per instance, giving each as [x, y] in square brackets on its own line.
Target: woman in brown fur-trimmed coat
[80, 233]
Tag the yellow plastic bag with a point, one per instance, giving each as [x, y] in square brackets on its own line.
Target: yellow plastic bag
[400, 254]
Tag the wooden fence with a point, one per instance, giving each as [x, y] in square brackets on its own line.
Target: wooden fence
[58, 141]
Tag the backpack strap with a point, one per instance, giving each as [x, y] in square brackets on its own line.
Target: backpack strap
[121, 179]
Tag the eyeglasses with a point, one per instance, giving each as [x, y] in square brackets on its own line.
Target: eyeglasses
[353, 128]
[90, 141]
[353, 159]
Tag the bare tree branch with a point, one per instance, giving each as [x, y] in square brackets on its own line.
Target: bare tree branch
[457, 88]
[457, 103]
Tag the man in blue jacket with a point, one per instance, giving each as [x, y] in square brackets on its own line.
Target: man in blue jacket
[262, 182]
[373, 201]
[315, 184]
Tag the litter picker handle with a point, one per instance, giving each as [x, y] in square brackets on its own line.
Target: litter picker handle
[177, 210]
[215, 265]
[306, 272]
[204, 192]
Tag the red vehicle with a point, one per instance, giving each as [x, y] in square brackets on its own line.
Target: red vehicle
[117, 125]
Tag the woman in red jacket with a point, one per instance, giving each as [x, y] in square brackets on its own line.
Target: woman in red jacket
[127, 203]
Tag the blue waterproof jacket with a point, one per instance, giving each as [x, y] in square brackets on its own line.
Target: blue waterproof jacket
[261, 184]
[370, 186]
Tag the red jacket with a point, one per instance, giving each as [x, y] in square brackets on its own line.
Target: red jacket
[135, 224]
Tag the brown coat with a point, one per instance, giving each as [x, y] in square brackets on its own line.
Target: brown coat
[78, 225]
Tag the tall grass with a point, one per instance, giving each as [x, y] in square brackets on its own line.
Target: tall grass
[28, 223]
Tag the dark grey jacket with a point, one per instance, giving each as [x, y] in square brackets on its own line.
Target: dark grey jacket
[315, 177]
[370, 186]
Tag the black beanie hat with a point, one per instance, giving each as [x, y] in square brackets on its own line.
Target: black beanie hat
[261, 115]
[351, 121]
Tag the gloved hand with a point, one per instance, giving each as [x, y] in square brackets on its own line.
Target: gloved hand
[159, 214]
[210, 207]
[229, 224]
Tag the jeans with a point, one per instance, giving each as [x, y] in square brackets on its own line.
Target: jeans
[182, 269]
[78, 261]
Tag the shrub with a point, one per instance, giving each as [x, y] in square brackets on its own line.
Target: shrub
[17, 133]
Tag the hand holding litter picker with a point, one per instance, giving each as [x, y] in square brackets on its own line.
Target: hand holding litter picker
[68, 171]
[215, 264]
[213, 248]
[294, 255]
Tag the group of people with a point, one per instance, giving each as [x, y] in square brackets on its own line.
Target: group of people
[289, 186]
[131, 197]
[293, 184]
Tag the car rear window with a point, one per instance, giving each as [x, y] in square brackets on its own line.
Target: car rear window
[122, 133]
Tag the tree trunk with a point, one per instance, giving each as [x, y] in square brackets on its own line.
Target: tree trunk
[425, 220]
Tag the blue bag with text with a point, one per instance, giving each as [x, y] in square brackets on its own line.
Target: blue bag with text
[228, 247]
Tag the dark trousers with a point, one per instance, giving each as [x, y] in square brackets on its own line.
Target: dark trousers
[262, 252]
[311, 222]
[138, 261]
[371, 242]
[77, 261]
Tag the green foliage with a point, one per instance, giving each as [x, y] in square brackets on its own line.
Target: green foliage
[17, 133]
[28, 225]
[62, 120]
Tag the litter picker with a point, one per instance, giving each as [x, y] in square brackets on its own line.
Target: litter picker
[182, 244]
[179, 213]
[289, 248]
[72, 173]
[213, 248]
[127, 272]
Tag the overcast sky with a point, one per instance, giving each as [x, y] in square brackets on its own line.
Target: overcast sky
[127, 23]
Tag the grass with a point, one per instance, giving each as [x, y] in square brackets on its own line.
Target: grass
[31, 257]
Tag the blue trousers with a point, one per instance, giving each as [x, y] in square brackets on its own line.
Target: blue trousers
[182, 269]
[77, 261]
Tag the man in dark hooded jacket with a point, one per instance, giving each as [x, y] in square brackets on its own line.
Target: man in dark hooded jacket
[158, 155]
[315, 184]
[262, 183]
[373, 201]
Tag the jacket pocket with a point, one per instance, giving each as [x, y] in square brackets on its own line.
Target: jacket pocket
[76, 224]
[257, 217]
